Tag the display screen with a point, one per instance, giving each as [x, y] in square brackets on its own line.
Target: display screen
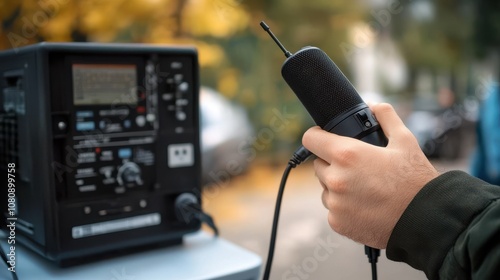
[100, 84]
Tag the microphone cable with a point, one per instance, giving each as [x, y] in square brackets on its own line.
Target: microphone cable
[300, 155]
[274, 230]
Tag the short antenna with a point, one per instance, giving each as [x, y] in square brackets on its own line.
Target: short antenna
[268, 30]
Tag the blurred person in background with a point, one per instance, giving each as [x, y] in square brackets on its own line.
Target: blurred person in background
[446, 225]
[485, 163]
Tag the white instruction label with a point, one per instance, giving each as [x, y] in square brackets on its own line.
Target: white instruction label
[116, 225]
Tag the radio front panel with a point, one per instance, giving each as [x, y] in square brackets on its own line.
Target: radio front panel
[123, 124]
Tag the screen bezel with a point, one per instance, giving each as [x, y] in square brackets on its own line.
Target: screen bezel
[98, 59]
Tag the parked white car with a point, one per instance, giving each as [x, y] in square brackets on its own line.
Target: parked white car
[224, 127]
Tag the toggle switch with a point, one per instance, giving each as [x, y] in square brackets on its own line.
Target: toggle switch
[364, 119]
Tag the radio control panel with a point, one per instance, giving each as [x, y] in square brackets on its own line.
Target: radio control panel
[105, 138]
[119, 111]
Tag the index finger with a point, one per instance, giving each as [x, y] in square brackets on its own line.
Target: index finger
[325, 144]
[391, 123]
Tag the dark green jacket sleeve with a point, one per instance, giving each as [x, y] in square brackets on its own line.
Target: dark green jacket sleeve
[451, 229]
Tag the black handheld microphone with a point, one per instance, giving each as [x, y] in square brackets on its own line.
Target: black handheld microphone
[333, 103]
[328, 96]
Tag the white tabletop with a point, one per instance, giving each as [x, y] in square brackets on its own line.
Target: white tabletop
[201, 256]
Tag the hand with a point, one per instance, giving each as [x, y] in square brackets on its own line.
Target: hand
[367, 188]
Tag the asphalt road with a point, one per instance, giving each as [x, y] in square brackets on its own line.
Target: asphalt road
[306, 246]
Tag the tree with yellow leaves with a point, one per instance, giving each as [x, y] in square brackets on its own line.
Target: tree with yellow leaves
[145, 21]
[237, 58]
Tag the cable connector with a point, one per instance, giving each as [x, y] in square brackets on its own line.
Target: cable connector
[188, 208]
[299, 156]
[373, 255]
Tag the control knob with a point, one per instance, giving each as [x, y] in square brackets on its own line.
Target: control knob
[129, 175]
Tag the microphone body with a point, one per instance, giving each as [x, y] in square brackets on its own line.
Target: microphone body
[333, 103]
[329, 97]
[335, 106]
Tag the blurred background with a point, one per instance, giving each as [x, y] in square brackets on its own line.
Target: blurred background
[435, 61]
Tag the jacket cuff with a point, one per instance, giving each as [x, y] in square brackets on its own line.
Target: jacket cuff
[435, 218]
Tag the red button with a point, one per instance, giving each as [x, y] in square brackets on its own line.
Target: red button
[141, 109]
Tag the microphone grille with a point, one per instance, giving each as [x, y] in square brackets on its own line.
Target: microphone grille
[319, 84]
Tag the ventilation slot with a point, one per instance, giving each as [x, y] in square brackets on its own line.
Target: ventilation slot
[13, 104]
